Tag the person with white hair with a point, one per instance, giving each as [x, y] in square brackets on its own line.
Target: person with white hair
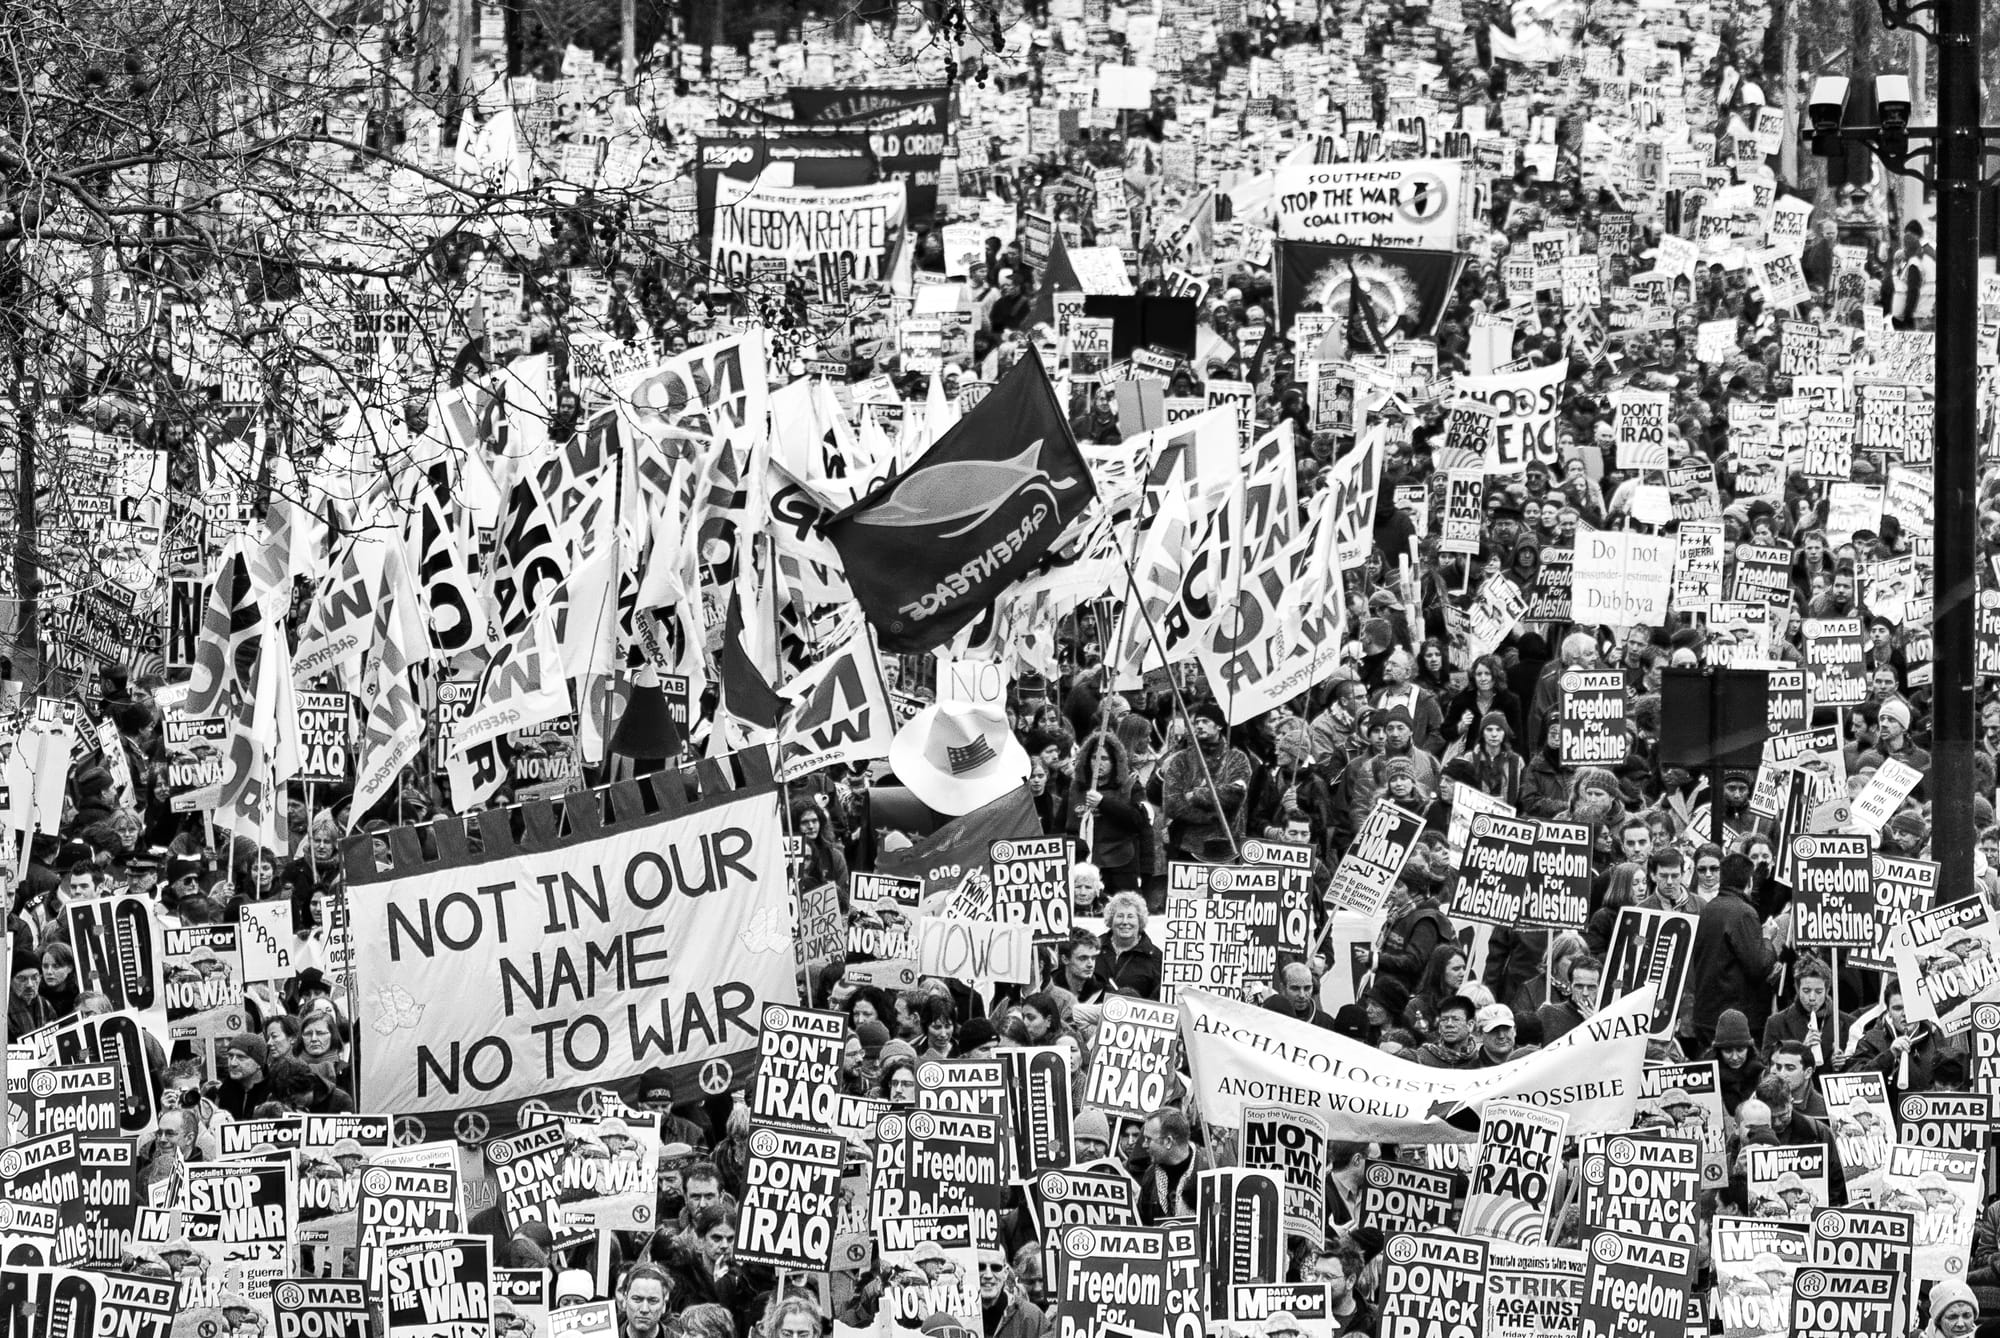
[1129, 959]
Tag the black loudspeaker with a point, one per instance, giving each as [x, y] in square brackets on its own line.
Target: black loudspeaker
[1713, 716]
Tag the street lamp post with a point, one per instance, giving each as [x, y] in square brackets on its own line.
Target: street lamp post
[1949, 159]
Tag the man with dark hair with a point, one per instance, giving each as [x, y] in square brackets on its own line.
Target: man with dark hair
[1346, 1164]
[1168, 1171]
[1076, 967]
[1202, 787]
[1913, 296]
[643, 1297]
[1793, 1062]
[1731, 963]
[1454, 1047]
[1670, 888]
[1339, 1267]
[1794, 1128]
[1579, 1001]
[701, 1187]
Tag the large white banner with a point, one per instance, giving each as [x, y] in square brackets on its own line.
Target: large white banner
[833, 235]
[1621, 578]
[549, 962]
[1524, 407]
[1241, 1055]
[1416, 202]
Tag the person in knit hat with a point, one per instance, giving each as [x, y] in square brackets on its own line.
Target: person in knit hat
[246, 1080]
[27, 1009]
[1400, 785]
[1892, 739]
[1091, 1134]
[977, 1039]
[1953, 1309]
[1597, 801]
[860, 1057]
[1906, 833]
[1737, 1058]
[874, 1036]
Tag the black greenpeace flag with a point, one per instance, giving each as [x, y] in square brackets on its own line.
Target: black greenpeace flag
[933, 548]
[1405, 290]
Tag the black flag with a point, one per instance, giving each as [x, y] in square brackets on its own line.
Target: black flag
[929, 551]
[1384, 291]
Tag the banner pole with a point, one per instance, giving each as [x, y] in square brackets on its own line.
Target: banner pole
[1180, 702]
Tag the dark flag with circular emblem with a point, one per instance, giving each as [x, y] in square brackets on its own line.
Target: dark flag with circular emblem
[929, 551]
[1386, 292]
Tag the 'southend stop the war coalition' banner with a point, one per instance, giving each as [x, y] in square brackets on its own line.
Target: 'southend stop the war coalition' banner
[578, 944]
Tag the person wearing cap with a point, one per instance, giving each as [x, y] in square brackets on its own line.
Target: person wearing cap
[1681, 1108]
[1493, 1029]
[1203, 787]
[183, 879]
[1280, 1323]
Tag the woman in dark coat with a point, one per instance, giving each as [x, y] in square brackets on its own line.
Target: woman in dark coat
[1485, 692]
[823, 861]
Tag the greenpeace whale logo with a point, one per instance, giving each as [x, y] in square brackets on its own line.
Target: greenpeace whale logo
[967, 490]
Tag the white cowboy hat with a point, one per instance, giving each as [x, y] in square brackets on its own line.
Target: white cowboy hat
[956, 757]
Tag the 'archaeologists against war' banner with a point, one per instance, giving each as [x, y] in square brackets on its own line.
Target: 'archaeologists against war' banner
[646, 942]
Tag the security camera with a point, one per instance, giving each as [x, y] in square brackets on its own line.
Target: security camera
[1892, 101]
[1828, 101]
